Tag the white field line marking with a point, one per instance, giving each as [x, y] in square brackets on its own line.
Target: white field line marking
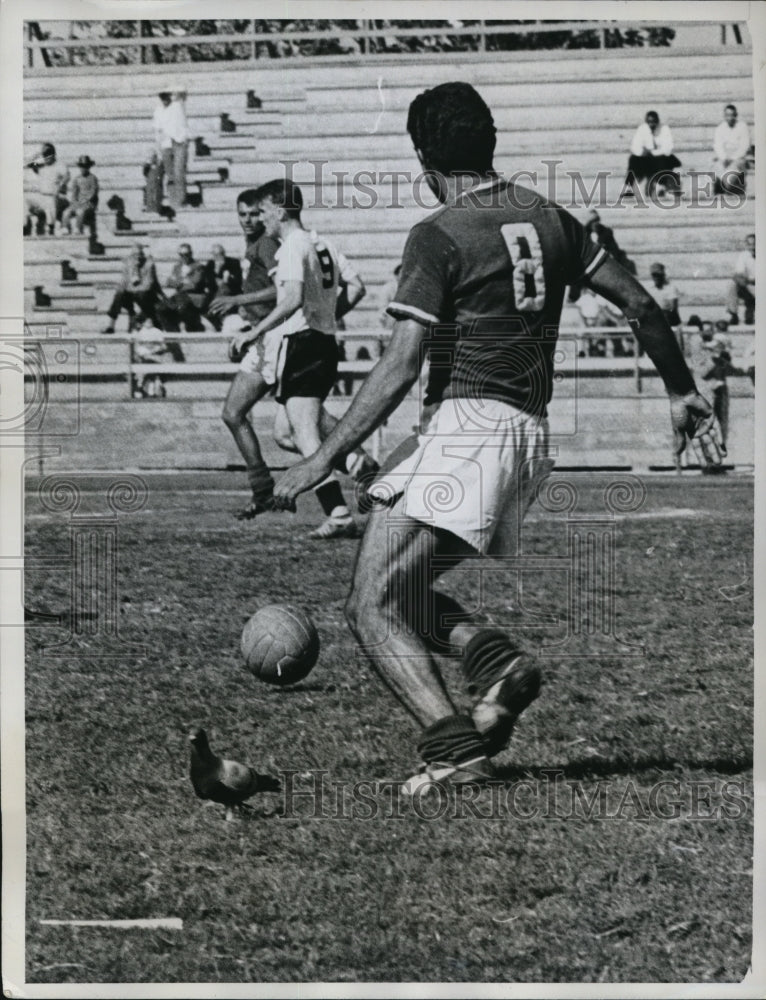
[166, 923]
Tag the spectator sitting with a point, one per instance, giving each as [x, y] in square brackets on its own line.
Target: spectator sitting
[604, 237]
[83, 199]
[596, 311]
[664, 293]
[188, 280]
[731, 144]
[149, 347]
[45, 194]
[742, 286]
[223, 277]
[138, 287]
[652, 159]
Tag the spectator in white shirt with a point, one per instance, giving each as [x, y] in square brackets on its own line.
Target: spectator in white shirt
[652, 159]
[162, 141]
[731, 144]
[742, 285]
[664, 293]
[172, 135]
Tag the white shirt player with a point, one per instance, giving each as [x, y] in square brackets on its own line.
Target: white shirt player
[306, 257]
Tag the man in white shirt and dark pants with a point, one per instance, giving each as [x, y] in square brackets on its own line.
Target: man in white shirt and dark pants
[172, 134]
[731, 144]
[652, 159]
[742, 285]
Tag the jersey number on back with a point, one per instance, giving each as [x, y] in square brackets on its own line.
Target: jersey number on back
[527, 258]
[328, 271]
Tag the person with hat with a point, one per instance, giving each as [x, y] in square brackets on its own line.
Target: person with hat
[172, 136]
[45, 191]
[83, 199]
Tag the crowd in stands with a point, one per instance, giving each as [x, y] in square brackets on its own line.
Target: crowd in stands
[196, 293]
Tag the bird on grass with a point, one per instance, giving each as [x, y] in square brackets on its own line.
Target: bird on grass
[224, 781]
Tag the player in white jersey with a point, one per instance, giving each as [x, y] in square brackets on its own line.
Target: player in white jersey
[299, 335]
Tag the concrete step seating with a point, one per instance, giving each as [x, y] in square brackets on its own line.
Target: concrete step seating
[352, 115]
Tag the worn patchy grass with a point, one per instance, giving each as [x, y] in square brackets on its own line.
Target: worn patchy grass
[527, 882]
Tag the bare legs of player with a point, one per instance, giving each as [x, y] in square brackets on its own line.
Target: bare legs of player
[244, 392]
[304, 415]
[283, 436]
[397, 616]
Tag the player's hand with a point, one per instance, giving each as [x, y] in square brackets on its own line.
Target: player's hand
[221, 304]
[690, 415]
[299, 478]
[239, 344]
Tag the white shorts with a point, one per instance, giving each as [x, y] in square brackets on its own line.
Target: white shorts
[474, 471]
[261, 357]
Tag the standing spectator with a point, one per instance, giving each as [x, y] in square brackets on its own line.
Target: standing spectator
[83, 199]
[652, 159]
[742, 285]
[731, 144]
[163, 142]
[223, 276]
[153, 172]
[717, 368]
[189, 283]
[45, 191]
[138, 287]
[176, 151]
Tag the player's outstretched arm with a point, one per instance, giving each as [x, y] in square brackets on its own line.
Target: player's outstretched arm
[222, 303]
[688, 409]
[381, 392]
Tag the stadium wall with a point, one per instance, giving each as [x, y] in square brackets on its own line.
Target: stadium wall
[629, 433]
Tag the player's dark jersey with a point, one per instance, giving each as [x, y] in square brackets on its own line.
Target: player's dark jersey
[261, 257]
[487, 274]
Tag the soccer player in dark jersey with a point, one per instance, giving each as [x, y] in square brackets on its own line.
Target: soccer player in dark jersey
[482, 286]
[251, 382]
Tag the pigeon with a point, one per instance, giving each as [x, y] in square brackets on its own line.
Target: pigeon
[224, 781]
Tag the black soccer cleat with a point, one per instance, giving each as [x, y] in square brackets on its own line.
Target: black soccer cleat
[496, 711]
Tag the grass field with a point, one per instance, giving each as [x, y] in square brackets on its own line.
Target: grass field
[538, 879]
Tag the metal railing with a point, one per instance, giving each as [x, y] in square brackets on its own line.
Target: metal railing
[130, 369]
[370, 39]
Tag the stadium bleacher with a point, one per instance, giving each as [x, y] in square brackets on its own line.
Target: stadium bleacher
[349, 118]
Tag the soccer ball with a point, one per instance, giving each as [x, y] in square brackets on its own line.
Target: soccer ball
[280, 644]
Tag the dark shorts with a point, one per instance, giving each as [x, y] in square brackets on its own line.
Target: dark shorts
[307, 365]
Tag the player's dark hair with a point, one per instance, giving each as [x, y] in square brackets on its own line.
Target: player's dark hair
[453, 128]
[284, 193]
[248, 197]
[731, 107]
